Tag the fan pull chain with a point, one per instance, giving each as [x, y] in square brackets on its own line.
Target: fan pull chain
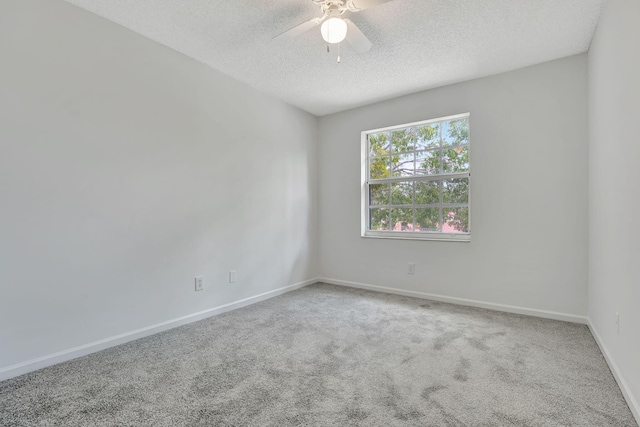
[329, 50]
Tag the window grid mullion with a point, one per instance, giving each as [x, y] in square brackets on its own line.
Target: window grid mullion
[390, 174]
[419, 178]
[413, 201]
[426, 205]
[440, 151]
[440, 183]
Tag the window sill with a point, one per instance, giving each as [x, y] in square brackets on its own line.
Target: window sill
[439, 237]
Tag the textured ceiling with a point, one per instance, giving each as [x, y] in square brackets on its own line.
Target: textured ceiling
[417, 44]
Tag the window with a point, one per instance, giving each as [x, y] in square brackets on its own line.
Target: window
[416, 180]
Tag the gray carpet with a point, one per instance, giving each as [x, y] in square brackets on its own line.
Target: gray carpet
[331, 356]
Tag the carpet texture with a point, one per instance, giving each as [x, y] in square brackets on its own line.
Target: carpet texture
[331, 356]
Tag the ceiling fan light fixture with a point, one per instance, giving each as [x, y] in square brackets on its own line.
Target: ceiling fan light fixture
[334, 30]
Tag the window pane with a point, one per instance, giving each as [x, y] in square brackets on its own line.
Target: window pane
[455, 159]
[403, 140]
[378, 144]
[455, 132]
[403, 164]
[427, 193]
[428, 162]
[379, 168]
[455, 190]
[428, 137]
[427, 219]
[402, 219]
[456, 220]
[379, 219]
[378, 194]
[402, 193]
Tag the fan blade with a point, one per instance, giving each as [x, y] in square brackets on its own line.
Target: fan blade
[356, 38]
[299, 29]
[358, 5]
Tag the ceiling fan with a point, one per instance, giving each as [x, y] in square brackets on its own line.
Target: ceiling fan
[333, 27]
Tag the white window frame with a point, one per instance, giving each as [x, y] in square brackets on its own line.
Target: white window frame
[410, 235]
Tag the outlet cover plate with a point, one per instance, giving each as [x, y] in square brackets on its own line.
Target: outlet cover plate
[199, 283]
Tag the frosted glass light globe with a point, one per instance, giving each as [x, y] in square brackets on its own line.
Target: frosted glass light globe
[334, 30]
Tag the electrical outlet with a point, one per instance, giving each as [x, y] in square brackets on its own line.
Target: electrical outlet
[232, 276]
[412, 268]
[199, 283]
[618, 323]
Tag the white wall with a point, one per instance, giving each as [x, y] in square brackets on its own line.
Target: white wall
[529, 193]
[126, 169]
[614, 190]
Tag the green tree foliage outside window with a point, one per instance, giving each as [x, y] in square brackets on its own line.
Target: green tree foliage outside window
[419, 178]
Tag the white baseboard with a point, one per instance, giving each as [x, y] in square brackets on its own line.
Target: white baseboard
[83, 350]
[634, 405]
[462, 301]
[72, 353]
